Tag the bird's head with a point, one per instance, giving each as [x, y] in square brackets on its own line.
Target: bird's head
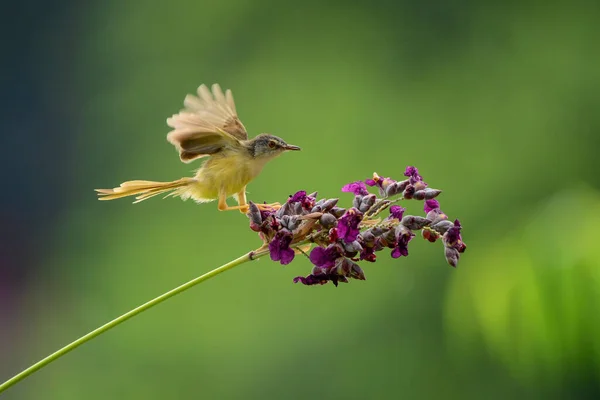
[268, 146]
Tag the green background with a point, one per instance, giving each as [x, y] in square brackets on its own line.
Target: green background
[496, 103]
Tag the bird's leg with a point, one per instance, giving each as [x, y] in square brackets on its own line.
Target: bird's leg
[241, 199]
[222, 206]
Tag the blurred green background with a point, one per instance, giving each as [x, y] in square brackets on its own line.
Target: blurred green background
[496, 102]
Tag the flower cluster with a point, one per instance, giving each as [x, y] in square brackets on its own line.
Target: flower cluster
[345, 236]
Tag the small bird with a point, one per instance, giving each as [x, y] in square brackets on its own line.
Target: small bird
[208, 126]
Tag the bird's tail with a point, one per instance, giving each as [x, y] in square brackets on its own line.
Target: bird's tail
[145, 189]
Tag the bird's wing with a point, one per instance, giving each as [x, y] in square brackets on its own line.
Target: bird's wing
[207, 123]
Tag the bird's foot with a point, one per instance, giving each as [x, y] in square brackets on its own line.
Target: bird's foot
[269, 207]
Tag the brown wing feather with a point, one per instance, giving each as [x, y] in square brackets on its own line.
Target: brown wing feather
[207, 117]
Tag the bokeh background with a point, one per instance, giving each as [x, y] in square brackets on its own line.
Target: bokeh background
[497, 103]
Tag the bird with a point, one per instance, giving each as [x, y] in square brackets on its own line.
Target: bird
[208, 127]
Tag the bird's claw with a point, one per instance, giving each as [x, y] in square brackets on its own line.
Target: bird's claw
[245, 209]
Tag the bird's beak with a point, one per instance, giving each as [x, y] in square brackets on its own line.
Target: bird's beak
[291, 147]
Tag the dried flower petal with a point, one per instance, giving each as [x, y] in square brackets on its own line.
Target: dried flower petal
[430, 235]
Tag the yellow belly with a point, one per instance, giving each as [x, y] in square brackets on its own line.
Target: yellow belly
[220, 175]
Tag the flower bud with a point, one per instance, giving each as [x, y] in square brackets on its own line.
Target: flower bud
[436, 215]
[357, 200]
[352, 248]
[290, 222]
[452, 256]
[442, 226]
[389, 236]
[296, 209]
[426, 194]
[378, 230]
[408, 192]
[254, 213]
[341, 268]
[329, 204]
[286, 209]
[327, 220]
[367, 202]
[355, 271]
[313, 195]
[368, 238]
[420, 185]
[397, 187]
[337, 211]
[414, 222]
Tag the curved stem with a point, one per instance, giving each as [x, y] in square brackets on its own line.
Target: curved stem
[130, 314]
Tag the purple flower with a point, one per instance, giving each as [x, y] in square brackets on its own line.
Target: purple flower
[310, 280]
[453, 244]
[358, 188]
[401, 248]
[341, 244]
[307, 201]
[324, 257]
[381, 183]
[431, 205]
[348, 269]
[279, 247]
[397, 212]
[347, 228]
[452, 236]
[298, 196]
[320, 279]
[413, 174]
[340, 272]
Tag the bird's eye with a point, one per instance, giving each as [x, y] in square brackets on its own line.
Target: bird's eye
[272, 144]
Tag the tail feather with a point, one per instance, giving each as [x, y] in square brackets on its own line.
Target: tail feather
[144, 189]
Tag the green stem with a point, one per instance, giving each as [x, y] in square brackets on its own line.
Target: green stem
[130, 314]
